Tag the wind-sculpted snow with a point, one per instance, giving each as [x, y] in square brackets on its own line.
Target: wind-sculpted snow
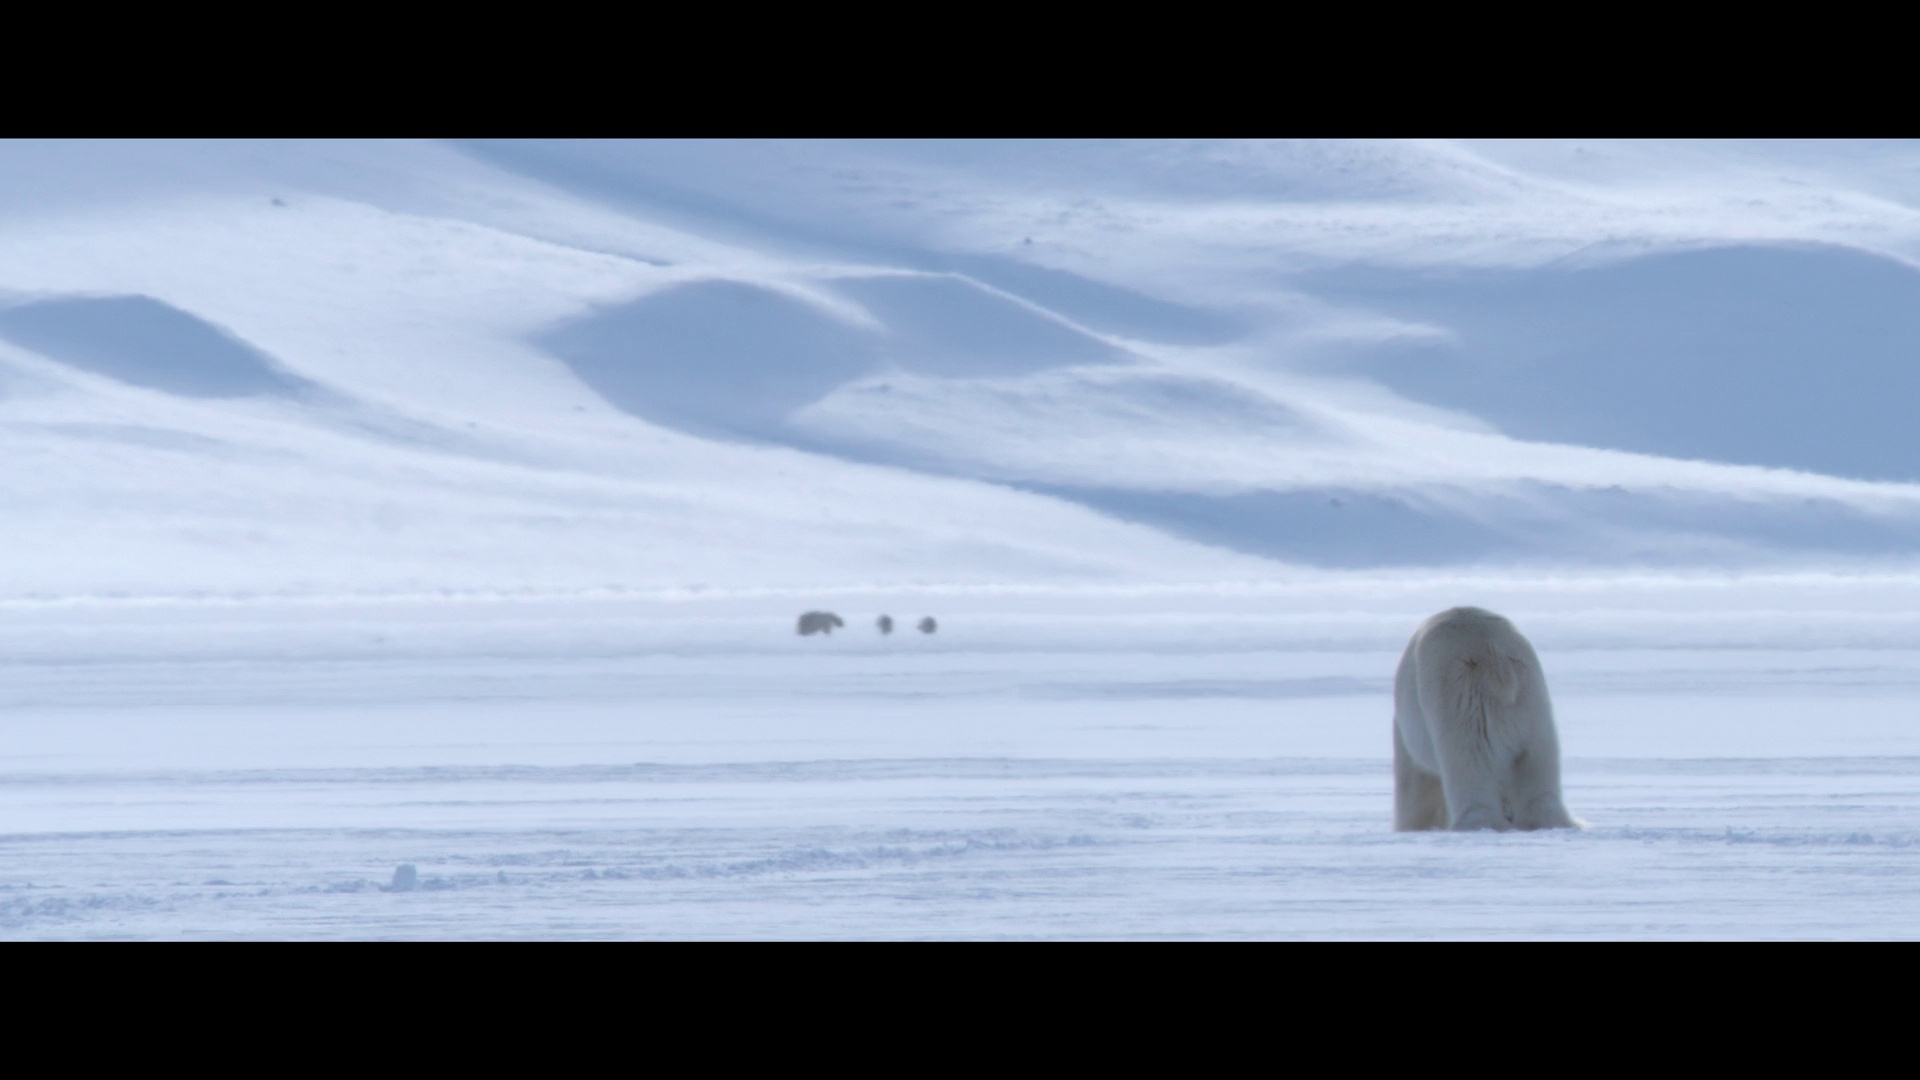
[1761, 356]
[1531, 524]
[373, 505]
[714, 356]
[1183, 430]
[730, 358]
[1100, 306]
[937, 324]
[142, 341]
[406, 366]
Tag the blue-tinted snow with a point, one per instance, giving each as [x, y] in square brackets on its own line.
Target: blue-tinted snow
[946, 325]
[714, 357]
[142, 341]
[1178, 441]
[1008, 779]
[1795, 357]
[1530, 524]
[723, 357]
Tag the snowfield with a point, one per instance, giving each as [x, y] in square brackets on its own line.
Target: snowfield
[1170, 766]
[368, 506]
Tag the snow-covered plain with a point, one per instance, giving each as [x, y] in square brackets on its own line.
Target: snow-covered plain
[369, 505]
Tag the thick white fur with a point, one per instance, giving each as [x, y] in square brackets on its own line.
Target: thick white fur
[1473, 739]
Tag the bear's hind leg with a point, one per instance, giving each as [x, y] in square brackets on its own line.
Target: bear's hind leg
[1419, 802]
[1535, 800]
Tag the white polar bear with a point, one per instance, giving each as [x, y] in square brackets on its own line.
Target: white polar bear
[1473, 739]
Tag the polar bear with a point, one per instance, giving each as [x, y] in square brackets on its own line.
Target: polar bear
[818, 622]
[1473, 739]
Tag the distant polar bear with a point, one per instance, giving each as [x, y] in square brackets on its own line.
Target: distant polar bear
[818, 622]
[1473, 739]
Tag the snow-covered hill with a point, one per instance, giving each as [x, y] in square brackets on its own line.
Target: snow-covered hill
[290, 368]
[406, 539]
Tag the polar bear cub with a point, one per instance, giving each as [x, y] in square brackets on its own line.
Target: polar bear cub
[1473, 739]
